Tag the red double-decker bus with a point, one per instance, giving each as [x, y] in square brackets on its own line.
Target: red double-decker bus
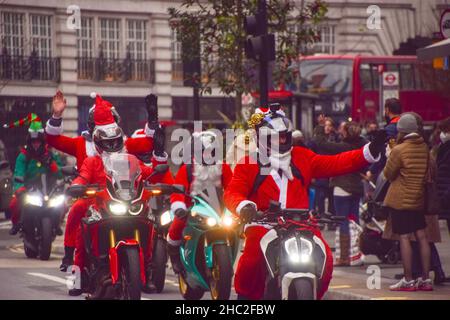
[348, 86]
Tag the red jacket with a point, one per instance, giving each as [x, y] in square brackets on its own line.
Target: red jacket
[93, 172]
[181, 201]
[81, 148]
[291, 194]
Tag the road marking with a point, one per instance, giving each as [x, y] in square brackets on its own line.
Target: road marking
[5, 224]
[390, 298]
[48, 277]
[344, 286]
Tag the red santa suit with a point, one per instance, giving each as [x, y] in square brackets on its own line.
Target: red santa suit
[180, 201]
[82, 147]
[93, 172]
[291, 193]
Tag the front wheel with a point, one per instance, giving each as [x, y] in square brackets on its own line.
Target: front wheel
[301, 289]
[29, 252]
[159, 262]
[130, 274]
[188, 292]
[45, 246]
[221, 273]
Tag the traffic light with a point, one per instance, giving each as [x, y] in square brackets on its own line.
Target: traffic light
[261, 45]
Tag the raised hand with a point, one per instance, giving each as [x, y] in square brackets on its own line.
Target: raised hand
[59, 104]
[151, 104]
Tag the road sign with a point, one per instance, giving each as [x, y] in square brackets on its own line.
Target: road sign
[445, 24]
[390, 79]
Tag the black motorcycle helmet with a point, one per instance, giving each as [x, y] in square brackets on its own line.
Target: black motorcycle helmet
[91, 122]
[32, 137]
[108, 138]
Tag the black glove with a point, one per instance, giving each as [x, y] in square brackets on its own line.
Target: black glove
[248, 213]
[378, 143]
[151, 104]
[158, 141]
[181, 213]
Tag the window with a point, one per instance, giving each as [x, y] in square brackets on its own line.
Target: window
[365, 74]
[85, 40]
[137, 39]
[12, 32]
[110, 38]
[177, 64]
[406, 76]
[327, 40]
[41, 35]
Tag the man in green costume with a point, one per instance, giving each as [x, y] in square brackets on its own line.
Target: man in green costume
[33, 160]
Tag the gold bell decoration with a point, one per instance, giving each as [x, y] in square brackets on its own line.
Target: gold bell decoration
[255, 119]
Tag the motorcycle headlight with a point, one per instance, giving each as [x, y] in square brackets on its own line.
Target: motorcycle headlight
[136, 209]
[117, 208]
[56, 201]
[227, 221]
[211, 222]
[34, 200]
[298, 252]
[166, 218]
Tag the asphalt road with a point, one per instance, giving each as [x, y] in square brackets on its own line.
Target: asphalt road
[23, 278]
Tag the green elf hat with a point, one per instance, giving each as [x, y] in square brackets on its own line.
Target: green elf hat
[32, 120]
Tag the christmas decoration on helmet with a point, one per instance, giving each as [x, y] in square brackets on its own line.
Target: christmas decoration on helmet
[34, 122]
[99, 101]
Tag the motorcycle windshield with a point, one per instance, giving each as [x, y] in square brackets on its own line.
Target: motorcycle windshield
[124, 172]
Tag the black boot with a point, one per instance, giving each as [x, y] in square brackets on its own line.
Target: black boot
[67, 260]
[439, 276]
[174, 254]
[149, 287]
[15, 229]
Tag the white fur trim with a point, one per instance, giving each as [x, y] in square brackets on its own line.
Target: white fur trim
[368, 156]
[90, 148]
[93, 95]
[177, 205]
[243, 204]
[149, 132]
[139, 133]
[106, 126]
[161, 159]
[174, 243]
[53, 131]
[282, 183]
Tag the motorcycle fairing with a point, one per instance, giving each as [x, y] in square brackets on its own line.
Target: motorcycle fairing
[267, 241]
[114, 259]
[290, 276]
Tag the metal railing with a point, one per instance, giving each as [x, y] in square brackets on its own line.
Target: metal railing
[27, 68]
[102, 69]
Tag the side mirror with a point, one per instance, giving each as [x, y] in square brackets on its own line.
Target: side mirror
[4, 165]
[76, 191]
[69, 171]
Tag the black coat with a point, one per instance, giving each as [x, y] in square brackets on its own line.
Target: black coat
[443, 177]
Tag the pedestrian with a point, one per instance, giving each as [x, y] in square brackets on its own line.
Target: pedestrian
[370, 129]
[347, 192]
[298, 139]
[443, 170]
[406, 168]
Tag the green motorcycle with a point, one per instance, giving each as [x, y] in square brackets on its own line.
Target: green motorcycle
[209, 249]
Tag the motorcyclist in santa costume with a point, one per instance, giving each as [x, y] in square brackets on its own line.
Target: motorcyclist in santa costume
[287, 172]
[83, 146]
[108, 138]
[206, 177]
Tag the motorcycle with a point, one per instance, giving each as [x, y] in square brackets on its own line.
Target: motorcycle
[161, 217]
[43, 204]
[117, 232]
[208, 251]
[297, 259]
[5, 185]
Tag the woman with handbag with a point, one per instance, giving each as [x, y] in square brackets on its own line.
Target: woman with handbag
[406, 169]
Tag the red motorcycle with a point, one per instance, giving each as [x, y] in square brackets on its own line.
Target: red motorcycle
[117, 232]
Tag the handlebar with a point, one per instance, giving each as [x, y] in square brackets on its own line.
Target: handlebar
[296, 215]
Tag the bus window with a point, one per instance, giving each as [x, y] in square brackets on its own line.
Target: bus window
[375, 76]
[391, 67]
[326, 76]
[406, 77]
[366, 77]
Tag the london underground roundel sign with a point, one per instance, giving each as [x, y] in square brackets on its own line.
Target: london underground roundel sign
[445, 24]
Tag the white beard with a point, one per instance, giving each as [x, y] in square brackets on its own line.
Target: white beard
[283, 162]
[205, 177]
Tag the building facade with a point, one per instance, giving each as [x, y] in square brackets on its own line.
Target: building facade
[125, 49]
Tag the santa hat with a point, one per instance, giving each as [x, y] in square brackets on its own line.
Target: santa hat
[99, 101]
[33, 120]
[103, 116]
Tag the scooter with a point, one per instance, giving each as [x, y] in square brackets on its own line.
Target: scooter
[117, 232]
[298, 260]
[208, 251]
